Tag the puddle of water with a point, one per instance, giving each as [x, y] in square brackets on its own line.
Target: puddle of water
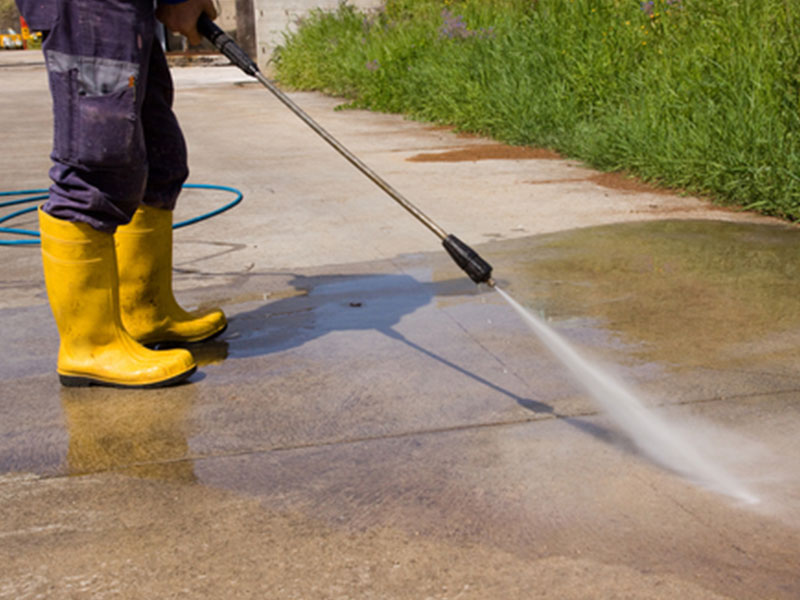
[143, 435]
[716, 301]
[682, 292]
[688, 293]
[327, 304]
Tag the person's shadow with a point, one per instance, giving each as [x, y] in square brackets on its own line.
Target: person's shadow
[315, 306]
[318, 305]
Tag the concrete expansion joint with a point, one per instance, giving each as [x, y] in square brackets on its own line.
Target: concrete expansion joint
[307, 446]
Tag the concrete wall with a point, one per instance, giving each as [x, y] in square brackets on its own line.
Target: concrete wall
[274, 17]
[227, 14]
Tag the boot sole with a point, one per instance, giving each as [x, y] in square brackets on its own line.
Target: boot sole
[83, 381]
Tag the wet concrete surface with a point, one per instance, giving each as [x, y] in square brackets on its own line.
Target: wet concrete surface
[373, 425]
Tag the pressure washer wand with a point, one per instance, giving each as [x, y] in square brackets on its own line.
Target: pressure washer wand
[465, 257]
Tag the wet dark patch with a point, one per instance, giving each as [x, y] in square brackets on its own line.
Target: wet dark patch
[618, 181]
[627, 183]
[486, 152]
[681, 292]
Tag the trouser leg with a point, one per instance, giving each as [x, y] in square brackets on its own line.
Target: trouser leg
[163, 139]
[98, 56]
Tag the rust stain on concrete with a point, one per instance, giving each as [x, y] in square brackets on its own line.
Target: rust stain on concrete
[486, 152]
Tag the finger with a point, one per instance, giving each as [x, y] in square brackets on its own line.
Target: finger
[210, 9]
[194, 37]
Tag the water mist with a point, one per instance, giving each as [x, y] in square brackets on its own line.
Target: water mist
[651, 434]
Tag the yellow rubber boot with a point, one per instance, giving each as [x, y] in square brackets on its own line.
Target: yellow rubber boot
[150, 312]
[80, 272]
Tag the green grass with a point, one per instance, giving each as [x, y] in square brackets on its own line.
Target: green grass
[701, 95]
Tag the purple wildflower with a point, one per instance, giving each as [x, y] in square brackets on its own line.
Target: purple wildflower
[647, 7]
[373, 65]
[453, 26]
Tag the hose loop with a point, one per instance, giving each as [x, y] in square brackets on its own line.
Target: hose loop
[42, 194]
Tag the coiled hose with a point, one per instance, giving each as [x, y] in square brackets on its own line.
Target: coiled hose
[38, 195]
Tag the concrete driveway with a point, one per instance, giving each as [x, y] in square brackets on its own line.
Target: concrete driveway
[372, 424]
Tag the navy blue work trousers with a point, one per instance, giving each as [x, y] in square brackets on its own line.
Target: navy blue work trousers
[116, 142]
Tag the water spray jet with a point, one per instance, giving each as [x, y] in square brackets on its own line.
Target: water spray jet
[651, 434]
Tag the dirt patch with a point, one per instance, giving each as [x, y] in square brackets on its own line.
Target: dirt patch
[627, 183]
[486, 152]
[619, 181]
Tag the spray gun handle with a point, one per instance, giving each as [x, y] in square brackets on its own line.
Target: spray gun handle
[226, 45]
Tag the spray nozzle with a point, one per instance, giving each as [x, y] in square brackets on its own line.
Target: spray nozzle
[470, 261]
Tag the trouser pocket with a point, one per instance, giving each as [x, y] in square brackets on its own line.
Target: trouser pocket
[95, 111]
[107, 130]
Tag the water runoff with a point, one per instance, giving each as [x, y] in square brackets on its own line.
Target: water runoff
[651, 434]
